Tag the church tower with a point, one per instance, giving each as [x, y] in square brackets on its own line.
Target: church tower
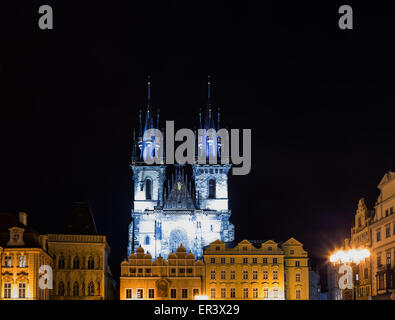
[173, 205]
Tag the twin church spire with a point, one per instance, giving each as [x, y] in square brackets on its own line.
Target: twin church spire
[151, 121]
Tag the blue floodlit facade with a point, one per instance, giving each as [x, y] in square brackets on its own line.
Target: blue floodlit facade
[178, 204]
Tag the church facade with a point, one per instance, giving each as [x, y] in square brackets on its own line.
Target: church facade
[177, 204]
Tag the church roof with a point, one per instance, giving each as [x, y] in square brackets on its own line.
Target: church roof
[80, 220]
[179, 196]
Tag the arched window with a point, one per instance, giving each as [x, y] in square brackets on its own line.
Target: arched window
[91, 289]
[148, 189]
[211, 189]
[76, 263]
[147, 240]
[91, 263]
[76, 289]
[61, 288]
[61, 262]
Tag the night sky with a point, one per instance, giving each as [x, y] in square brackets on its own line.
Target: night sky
[319, 101]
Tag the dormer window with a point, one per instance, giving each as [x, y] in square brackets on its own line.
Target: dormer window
[16, 236]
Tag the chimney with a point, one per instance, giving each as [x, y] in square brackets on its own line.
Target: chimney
[23, 218]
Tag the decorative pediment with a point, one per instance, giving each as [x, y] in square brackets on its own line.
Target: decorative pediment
[293, 242]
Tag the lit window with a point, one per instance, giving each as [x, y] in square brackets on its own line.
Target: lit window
[7, 290]
[297, 263]
[140, 293]
[22, 290]
[255, 275]
[195, 292]
[212, 260]
[8, 261]
[22, 261]
[213, 293]
[264, 260]
[223, 261]
[212, 275]
[265, 292]
[297, 294]
[387, 231]
[265, 275]
[275, 293]
[173, 293]
[275, 261]
[275, 275]
[245, 274]
[91, 263]
[184, 293]
[378, 236]
[388, 258]
[232, 275]
[232, 260]
[245, 293]
[91, 289]
[245, 260]
[254, 260]
[255, 293]
[223, 293]
[128, 294]
[233, 292]
[297, 277]
[223, 275]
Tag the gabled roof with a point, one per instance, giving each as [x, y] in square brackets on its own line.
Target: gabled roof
[389, 176]
[293, 242]
[80, 220]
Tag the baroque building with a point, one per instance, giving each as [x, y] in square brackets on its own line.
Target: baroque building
[257, 270]
[181, 277]
[176, 204]
[22, 252]
[77, 259]
[373, 230]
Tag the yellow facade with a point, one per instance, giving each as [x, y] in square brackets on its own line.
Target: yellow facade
[383, 240]
[22, 252]
[181, 277]
[81, 271]
[251, 271]
[375, 231]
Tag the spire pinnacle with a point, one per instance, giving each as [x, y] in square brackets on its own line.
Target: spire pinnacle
[209, 88]
[149, 88]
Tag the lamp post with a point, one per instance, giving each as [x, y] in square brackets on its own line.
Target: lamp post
[349, 260]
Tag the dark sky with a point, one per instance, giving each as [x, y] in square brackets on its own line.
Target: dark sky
[319, 101]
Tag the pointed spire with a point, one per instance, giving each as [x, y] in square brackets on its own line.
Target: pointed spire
[208, 88]
[149, 88]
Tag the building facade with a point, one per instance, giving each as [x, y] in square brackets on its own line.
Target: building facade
[181, 277]
[265, 270]
[22, 252]
[373, 230]
[80, 259]
[383, 240]
[178, 204]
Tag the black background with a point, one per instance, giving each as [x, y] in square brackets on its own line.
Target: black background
[319, 101]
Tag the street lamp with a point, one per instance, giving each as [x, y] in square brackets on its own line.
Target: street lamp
[352, 258]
